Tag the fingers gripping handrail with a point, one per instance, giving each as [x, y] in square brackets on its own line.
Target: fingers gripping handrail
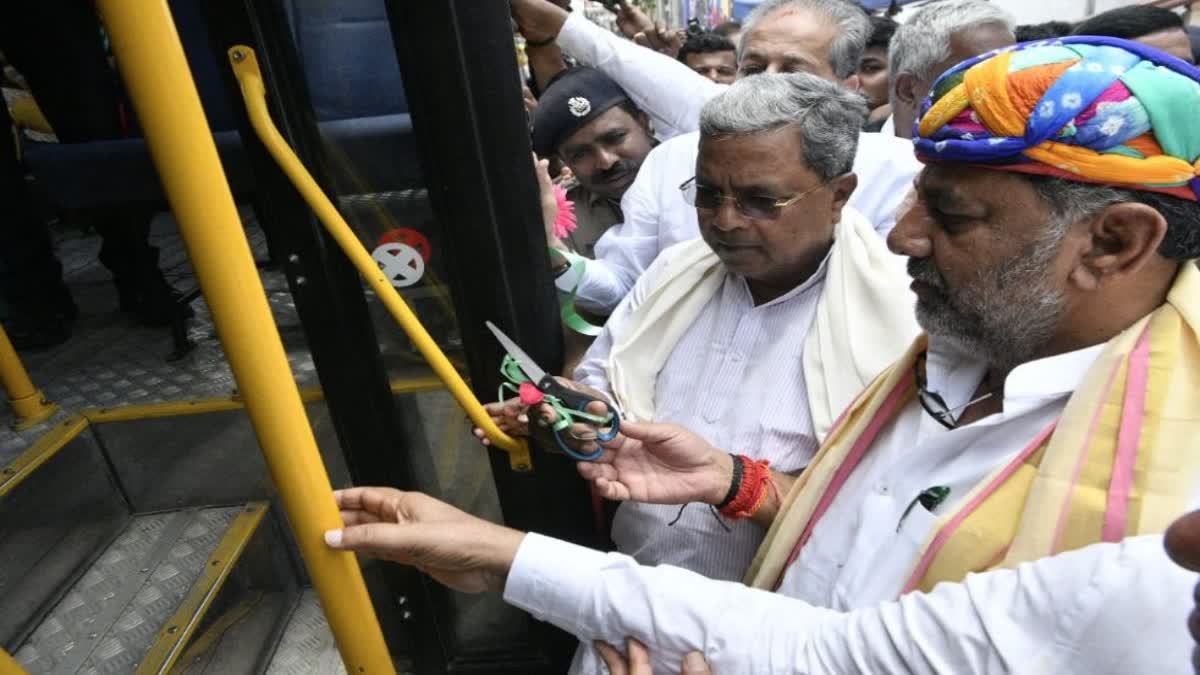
[245, 68]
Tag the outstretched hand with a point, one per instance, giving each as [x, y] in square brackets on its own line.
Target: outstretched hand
[660, 464]
[459, 550]
[510, 416]
[662, 39]
[631, 20]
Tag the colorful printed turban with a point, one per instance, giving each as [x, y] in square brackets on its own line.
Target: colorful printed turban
[1084, 108]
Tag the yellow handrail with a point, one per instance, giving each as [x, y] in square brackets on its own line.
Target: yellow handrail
[9, 665]
[245, 67]
[28, 404]
[152, 62]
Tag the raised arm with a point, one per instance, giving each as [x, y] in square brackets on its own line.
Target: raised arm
[670, 92]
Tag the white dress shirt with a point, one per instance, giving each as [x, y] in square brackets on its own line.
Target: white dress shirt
[860, 551]
[1103, 609]
[656, 215]
[1108, 609]
[736, 378]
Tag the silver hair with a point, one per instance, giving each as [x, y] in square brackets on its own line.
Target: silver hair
[1072, 201]
[853, 29]
[827, 115]
[924, 40]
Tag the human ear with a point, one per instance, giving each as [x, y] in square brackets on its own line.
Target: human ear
[1124, 238]
[906, 90]
[842, 187]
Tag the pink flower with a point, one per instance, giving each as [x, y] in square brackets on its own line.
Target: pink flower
[565, 223]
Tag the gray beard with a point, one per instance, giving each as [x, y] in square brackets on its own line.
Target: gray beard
[1005, 314]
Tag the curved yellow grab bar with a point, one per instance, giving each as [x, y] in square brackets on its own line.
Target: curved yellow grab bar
[245, 67]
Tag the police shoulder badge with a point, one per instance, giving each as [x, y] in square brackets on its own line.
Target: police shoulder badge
[579, 106]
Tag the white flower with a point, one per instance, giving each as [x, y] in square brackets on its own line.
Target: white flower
[1072, 101]
[1112, 125]
[1046, 109]
[995, 141]
[1118, 69]
[939, 146]
[968, 136]
[1094, 67]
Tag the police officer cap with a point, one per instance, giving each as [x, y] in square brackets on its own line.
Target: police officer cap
[573, 99]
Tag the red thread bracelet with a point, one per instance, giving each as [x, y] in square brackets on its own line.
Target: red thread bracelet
[753, 491]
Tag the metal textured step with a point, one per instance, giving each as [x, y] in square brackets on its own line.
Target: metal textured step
[113, 615]
[307, 646]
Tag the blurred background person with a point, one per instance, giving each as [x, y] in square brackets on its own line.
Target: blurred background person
[730, 30]
[873, 71]
[937, 38]
[710, 55]
[1043, 31]
[1154, 26]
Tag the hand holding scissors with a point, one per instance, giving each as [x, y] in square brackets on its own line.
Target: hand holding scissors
[567, 415]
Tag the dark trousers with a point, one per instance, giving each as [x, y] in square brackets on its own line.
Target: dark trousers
[57, 46]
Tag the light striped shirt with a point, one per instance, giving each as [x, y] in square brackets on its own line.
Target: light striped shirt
[737, 379]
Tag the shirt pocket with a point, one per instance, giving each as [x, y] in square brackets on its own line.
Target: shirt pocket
[916, 528]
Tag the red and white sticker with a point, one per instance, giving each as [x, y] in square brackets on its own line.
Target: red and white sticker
[408, 237]
[402, 264]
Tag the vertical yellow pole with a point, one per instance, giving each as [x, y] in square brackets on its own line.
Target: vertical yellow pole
[28, 404]
[152, 62]
[9, 665]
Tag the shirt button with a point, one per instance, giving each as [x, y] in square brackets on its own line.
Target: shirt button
[882, 489]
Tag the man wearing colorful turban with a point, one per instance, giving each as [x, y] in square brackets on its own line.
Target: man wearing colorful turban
[1100, 110]
[993, 502]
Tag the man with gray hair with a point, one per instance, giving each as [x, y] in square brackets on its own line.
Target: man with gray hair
[822, 37]
[936, 38]
[758, 334]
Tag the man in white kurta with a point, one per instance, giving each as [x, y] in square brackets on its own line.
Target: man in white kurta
[757, 335]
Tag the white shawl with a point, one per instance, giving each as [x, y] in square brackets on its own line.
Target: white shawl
[864, 321]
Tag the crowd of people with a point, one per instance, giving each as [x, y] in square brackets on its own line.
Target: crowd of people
[79, 95]
[902, 321]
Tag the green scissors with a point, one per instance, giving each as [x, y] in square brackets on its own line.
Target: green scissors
[533, 385]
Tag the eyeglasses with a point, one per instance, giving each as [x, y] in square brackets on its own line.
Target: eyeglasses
[759, 207]
[934, 404]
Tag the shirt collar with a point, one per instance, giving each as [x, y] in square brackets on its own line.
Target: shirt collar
[1052, 376]
[955, 374]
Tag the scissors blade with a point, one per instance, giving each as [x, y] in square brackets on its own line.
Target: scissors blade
[531, 368]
